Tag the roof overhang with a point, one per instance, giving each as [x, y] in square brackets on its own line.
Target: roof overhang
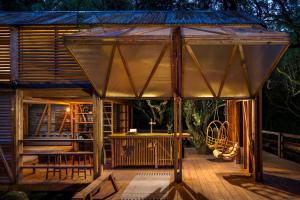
[217, 61]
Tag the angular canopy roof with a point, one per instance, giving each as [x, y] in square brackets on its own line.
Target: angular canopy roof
[217, 61]
[130, 17]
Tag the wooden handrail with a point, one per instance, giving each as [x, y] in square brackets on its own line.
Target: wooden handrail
[280, 140]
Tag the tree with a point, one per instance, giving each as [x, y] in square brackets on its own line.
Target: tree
[197, 115]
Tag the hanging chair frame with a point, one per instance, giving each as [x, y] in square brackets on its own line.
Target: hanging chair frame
[216, 130]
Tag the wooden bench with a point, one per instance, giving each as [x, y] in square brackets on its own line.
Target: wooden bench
[93, 188]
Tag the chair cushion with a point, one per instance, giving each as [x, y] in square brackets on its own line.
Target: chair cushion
[217, 153]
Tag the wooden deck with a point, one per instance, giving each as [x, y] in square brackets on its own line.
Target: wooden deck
[206, 178]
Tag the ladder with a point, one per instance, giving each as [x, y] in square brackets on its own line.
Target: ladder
[107, 127]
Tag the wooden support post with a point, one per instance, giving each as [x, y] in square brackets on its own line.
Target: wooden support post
[19, 133]
[245, 135]
[258, 165]
[176, 61]
[14, 54]
[25, 125]
[98, 135]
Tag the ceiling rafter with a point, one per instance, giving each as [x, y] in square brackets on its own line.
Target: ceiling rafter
[111, 59]
[148, 31]
[127, 71]
[208, 31]
[244, 68]
[161, 55]
[127, 31]
[227, 68]
[199, 66]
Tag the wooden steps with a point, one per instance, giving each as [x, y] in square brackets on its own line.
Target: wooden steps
[94, 187]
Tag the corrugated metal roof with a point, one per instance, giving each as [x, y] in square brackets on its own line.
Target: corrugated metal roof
[126, 17]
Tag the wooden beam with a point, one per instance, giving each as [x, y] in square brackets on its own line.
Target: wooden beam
[49, 119]
[209, 31]
[244, 69]
[37, 130]
[199, 66]
[6, 165]
[227, 68]
[62, 123]
[109, 70]
[44, 101]
[127, 72]
[161, 55]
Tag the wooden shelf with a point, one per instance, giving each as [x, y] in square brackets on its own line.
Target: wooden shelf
[84, 132]
[56, 153]
[57, 166]
[54, 140]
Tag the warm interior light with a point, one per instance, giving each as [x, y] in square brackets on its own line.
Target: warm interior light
[68, 109]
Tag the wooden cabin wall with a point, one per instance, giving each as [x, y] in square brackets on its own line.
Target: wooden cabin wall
[43, 58]
[7, 137]
[5, 71]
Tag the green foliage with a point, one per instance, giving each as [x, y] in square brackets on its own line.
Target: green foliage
[159, 111]
[14, 195]
[197, 115]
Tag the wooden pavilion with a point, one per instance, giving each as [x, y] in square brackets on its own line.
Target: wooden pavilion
[76, 71]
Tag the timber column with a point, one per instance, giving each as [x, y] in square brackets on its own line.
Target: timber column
[258, 162]
[176, 61]
[98, 135]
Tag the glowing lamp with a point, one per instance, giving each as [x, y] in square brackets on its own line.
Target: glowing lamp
[68, 109]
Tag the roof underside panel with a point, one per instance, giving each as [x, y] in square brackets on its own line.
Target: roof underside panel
[220, 62]
[94, 59]
[126, 17]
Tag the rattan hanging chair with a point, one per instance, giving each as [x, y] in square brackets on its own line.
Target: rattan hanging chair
[226, 149]
[213, 132]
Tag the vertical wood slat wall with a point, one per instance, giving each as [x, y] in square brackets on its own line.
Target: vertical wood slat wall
[6, 133]
[43, 58]
[4, 55]
[142, 151]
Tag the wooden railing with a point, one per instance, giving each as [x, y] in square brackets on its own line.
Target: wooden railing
[282, 144]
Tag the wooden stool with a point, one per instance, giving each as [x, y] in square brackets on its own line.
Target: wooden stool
[79, 169]
[89, 159]
[57, 160]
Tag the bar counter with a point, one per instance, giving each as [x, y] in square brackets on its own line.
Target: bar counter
[143, 149]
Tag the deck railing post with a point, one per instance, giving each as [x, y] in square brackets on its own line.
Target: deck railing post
[280, 143]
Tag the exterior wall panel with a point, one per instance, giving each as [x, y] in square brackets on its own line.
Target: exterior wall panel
[43, 57]
[7, 134]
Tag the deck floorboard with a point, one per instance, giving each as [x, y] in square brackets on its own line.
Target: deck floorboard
[206, 178]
